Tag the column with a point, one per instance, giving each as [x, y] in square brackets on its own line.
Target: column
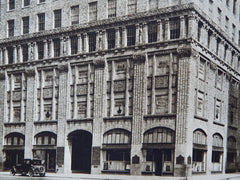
[62, 46]
[117, 38]
[45, 49]
[167, 29]
[124, 37]
[14, 54]
[86, 46]
[79, 43]
[5, 55]
[144, 33]
[185, 111]
[182, 27]
[20, 53]
[62, 115]
[160, 30]
[104, 40]
[3, 102]
[138, 34]
[213, 42]
[35, 51]
[192, 26]
[139, 105]
[30, 111]
[99, 91]
[204, 35]
[154, 66]
[50, 48]
[30, 53]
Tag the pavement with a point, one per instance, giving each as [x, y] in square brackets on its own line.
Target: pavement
[233, 176]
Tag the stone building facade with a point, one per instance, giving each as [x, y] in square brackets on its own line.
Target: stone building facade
[141, 87]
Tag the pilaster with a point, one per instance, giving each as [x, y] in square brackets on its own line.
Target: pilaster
[182, 27]
[138, 34]
[144, 33]
[139, 101]
[5, 56]
[1, 56]
[213, 42]
[204, 35]
[79, 43]
[20, 53]
[117, 39]
[86, 47]
[124, 37]
[2, 102]
[14, 54]
[99, 91]
[50, 48]
[167, 29]
[45, 47]
[30, 111]
[192, 26]
[62, 112]
[160, 30]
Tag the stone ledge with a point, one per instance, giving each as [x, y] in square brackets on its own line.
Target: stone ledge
[15, 124]
[79, 120]
[200, 118]
[117, 118]
[218, 123]
[45, 122]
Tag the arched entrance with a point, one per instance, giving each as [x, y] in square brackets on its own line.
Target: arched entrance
[81, 151]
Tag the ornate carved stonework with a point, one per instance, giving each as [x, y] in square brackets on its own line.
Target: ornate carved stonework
[30, 71]
[63, 67]
[99, 63]
[2, 76]
[139, 57]
[184, 51]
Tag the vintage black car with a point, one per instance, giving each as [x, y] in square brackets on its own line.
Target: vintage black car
[30, 167]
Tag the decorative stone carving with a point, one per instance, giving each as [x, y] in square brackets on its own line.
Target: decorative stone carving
[180, 159]
[213, 66]
[47, 93]
[139, 57]
[82, 89]
[30, 72]
[63, 67]
[119, 86]
[100, 63]
[2, 76]
[135, 159]
[184, 51]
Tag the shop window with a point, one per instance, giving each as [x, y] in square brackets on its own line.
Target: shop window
[132, 6]
[10, 55]
[174, 28]
[41, 22]
[111, 38]
[93, 11]
[117, 136]
[92, 41]
[74, 44]
[25, 21]
[40, 46]
[131, 35]
[10, 28]
[56, 44]
[112, 8]
[216, 156]
[74, 15]
[57, 18]
[198, 155]
[25, 52]
[118, 155]
[152, 31]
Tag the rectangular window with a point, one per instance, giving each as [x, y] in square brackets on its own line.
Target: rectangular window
[234, 6]
[58, 18]
[152, 32]
[93, 11]
[10, 28]
[26, 3]
[25, 52]
[132, 6]
[92, 41]
[199, 30]
[25, 21]
[200, 103]
[112, 8]
[233, 32]
[40, 46]
[131, 35]
[202, 69]
[74, 15]
[174, 28]
[56, 44]
[10, 55]
[217, 115]
[153, 4]
[11, 4]
[74, 44]
[111, 38]
[41, 22]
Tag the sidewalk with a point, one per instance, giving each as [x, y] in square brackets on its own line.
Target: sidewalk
[234, 176]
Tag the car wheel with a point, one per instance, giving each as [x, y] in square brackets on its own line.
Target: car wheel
[31, 173]
[12, 172]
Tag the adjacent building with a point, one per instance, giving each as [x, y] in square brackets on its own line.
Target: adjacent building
[140, 87]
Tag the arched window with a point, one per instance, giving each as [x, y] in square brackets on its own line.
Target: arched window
[15, 139]
[217, 140]
[117, 136]
[232, 143]
[199, 137]
[46, 138]
[159, 135]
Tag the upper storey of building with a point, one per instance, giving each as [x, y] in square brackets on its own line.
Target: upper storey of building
[29, 16]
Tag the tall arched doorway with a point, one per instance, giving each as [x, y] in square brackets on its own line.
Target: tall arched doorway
[81, 151]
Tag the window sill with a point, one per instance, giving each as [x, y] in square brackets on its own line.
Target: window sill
[201, 118]
[193, 172]
[46, 122]
[14, 123]
[116, 171]
[215, 172]
[218, 123]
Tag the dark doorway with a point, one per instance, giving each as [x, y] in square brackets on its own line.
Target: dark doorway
[81, 151]
[50, 160]
[13, 157]
[158, 162]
